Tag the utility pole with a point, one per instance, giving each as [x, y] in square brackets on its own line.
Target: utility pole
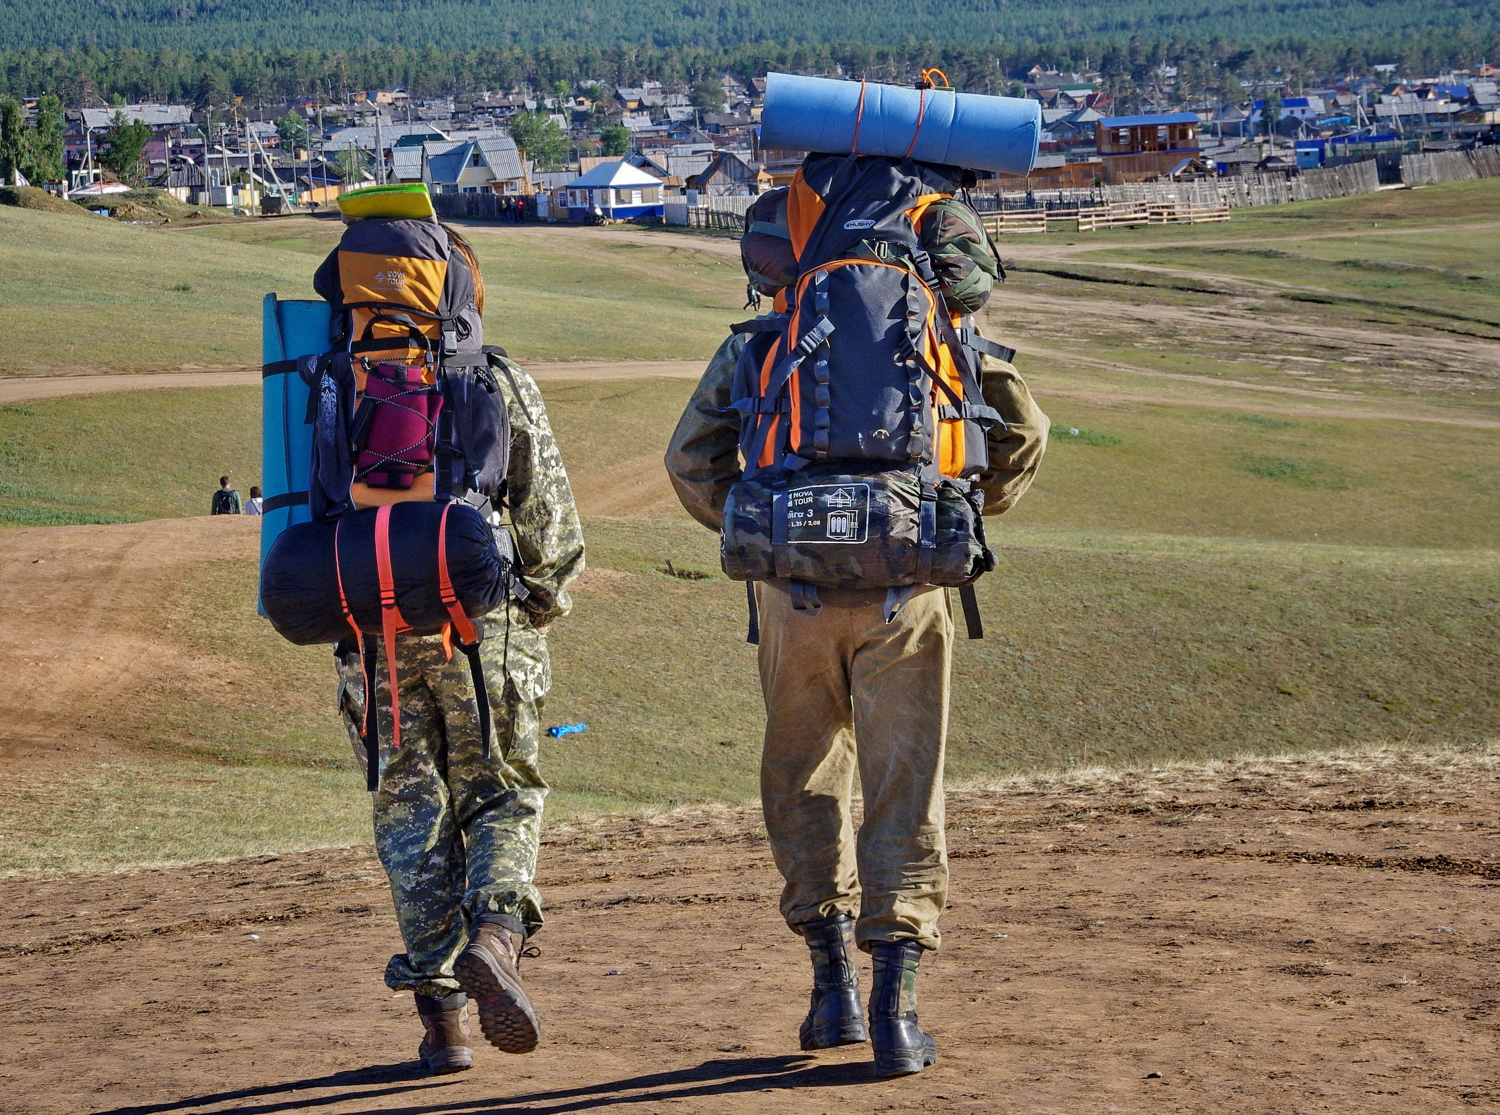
[379, 150]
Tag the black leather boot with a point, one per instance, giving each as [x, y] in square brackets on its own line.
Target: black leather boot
[834, 1017]
[901, 1046]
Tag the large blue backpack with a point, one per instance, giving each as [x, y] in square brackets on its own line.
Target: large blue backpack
[863, 423]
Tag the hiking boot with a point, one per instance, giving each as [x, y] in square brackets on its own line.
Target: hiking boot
[488, 971]
[834, 1017]
[445, 1048]
[901, 1046]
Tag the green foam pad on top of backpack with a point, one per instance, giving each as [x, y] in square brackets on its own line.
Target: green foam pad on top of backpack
[410, 201]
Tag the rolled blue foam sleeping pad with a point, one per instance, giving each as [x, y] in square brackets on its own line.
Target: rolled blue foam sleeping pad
[288, 330]
[958, 129]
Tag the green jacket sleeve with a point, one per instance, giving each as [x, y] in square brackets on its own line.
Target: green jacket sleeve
[703, 457]
[543, 517]
[1016, 451]
[965, 266]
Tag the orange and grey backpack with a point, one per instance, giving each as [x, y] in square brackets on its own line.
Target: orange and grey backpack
[410, 450]
[863, 423]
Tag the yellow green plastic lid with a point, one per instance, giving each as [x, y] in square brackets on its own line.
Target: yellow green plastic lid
[409, 200]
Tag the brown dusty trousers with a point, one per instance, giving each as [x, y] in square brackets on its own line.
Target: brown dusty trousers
[844, 690]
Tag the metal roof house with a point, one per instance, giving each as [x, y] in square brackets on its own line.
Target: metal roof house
[475, 166]
[1137, 148]
[618, 190]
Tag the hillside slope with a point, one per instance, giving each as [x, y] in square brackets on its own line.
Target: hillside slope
[459, 24]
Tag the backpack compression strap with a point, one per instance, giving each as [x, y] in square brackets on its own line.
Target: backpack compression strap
[469, 634]
[370, 733]
[392, 622]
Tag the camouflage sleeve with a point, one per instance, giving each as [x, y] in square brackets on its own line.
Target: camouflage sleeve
[955, 239]
[1016, 451]
[703, 457]
[543, 517]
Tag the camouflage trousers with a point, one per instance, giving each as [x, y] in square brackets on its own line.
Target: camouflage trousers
[456, 831]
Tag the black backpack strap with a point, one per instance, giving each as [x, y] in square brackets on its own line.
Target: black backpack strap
[970, 338]
[895, 600]
[514, 387]
[752, 631]
[805, 597]
[970, 601]
[481, 692]
[926, 534]
[368, 665]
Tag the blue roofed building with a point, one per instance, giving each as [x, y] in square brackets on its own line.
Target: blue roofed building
[1138, 148]
[617, 190]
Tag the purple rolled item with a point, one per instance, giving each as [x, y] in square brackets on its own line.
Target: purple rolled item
[557, 731]
[931, 125]
[400, 441]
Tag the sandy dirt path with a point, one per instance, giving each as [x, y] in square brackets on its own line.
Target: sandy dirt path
[22, 388]
[78, 634]
[1270, 938]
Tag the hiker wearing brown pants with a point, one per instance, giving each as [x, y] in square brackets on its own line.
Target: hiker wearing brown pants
[845, 691]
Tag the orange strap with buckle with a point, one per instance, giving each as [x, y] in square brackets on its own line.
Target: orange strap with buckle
[392, 623]
[467, 633]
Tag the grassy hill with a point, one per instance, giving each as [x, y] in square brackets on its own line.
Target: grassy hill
[151, 24]
[1267, 520]
[135, 298]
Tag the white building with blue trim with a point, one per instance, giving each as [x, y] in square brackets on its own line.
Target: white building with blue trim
[617, 190]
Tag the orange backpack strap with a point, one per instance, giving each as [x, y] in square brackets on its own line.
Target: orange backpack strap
[391, 621]
[461, 622]
[469, 634]
[370, 734]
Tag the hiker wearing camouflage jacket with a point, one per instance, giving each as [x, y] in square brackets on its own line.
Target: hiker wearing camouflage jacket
[848, 690]
[456, 830]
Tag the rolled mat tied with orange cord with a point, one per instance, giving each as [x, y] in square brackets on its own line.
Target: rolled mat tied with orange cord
[928, 123]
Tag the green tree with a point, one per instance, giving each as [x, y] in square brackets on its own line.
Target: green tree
[1270, 114]
[47, 146]
[542, 141]
[616, 140]
[708, 94]
[36, 150]
[127, 141]
[13, 137]
[349, 164]
[293, 130]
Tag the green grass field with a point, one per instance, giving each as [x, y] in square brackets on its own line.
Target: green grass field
[1204, 569]
[78, 293]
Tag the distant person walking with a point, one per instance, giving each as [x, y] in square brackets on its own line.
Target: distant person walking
[254, 505]
[226, 500]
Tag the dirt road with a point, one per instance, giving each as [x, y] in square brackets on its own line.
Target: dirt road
[17, 389]
[1274, 937]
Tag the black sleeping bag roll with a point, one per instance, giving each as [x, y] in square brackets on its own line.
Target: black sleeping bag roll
[299, 583]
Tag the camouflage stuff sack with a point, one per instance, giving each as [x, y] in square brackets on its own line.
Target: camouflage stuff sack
[855, 530]
[863, 421]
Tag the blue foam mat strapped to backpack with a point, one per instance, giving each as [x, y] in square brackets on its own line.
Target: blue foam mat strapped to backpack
[931, 125]
[288, 330]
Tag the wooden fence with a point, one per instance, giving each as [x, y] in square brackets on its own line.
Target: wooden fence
[1450, 166]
